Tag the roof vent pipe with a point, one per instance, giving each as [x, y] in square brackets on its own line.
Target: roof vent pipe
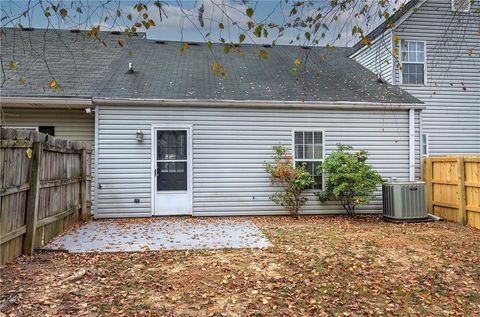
[130, 67]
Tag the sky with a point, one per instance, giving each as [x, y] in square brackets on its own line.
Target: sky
[180, 19]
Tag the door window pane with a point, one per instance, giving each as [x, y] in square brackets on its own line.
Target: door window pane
[171, 176]
[171, 145]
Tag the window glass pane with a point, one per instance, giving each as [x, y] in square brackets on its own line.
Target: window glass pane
[171, 176]
[420, 47]
[299, 154]
[413, 74]
[424, 144]
[404, 50]
[299, 145]
[411, 56]
[318, 152]
[299, 151]
[308, 145]
[50, 130]
[171, 145]
[318, 137]
[298, 138]
[311, 167]
[420, 57]
[317, 176]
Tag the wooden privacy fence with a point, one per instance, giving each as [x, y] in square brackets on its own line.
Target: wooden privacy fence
[44, 189]
[453, 188]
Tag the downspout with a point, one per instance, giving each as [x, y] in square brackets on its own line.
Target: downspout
[420, 141]
[411, 144]
[95, 203]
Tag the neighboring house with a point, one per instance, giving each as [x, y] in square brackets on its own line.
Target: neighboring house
[432, 50]
[171, 138]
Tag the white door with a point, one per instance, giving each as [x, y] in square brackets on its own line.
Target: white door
[172, 171]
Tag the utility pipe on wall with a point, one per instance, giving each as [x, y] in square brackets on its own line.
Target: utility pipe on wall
[411, 144]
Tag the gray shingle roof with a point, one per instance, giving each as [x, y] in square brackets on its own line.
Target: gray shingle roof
[161, 73]
[76, 62]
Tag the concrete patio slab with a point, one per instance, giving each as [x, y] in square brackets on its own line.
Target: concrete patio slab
[178, 234]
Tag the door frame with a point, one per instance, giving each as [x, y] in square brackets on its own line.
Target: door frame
[153, 149]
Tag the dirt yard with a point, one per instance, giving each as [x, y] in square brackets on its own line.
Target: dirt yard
[318, 266]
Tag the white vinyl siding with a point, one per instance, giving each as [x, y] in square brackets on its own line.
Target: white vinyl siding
[452, 92]
[229, 151]
[378, 57]
[452, 73]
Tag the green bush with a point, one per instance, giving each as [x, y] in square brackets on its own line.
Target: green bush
[293, 180]
[349, 178]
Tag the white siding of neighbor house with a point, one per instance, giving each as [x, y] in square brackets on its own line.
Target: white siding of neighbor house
[378, 57]
[452, 116]
[75, 125]
[230, 147]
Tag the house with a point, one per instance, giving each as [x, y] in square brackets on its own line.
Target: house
[172, 138]
[431, 48]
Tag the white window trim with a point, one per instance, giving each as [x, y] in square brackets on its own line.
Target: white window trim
[425, 144]
[424, 63]
[458, 10]
[310, 160]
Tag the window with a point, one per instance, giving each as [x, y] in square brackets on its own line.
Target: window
[309, 152]
[47, 130]
[461, 5]
[413, 62]
[425, 144]
[24, 128]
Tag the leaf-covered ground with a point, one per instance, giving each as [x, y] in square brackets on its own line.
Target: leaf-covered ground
[318, 266]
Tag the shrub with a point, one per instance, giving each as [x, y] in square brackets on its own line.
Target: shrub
[293, 180]
[349, 178]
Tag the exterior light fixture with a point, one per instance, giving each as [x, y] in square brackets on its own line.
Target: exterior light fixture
[139, 136]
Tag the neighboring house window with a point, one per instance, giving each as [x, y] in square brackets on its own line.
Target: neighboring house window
[24, 128]
[461, 5]
[309, 151]
[413, 62]
[425, 144]
[47, 130]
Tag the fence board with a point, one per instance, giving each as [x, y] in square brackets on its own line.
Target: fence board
[453, 188]
[60, 188]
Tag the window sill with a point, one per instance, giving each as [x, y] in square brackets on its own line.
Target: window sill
[412, 85]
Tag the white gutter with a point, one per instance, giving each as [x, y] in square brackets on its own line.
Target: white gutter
[411, 144]
[51, 102]
[258, 104]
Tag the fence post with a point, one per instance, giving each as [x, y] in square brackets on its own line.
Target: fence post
[462, 208]
[33, 198]
[83, 186]
[427, 177]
